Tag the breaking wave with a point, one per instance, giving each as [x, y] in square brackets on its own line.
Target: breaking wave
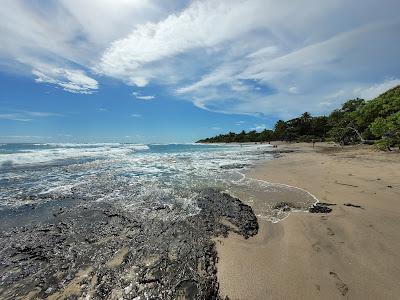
[132, 175]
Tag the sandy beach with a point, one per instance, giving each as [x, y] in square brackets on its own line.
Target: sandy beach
[351, 253]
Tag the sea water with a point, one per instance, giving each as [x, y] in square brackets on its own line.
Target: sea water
[131, 175]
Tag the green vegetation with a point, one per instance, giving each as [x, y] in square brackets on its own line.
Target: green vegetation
[357, 121]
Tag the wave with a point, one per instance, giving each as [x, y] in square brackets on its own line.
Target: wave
[59, 152]
[131, 174]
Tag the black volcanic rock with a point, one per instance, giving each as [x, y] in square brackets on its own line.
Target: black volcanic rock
[103, 251]
[321, 208]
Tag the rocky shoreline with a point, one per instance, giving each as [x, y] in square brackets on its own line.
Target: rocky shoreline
[102, 251]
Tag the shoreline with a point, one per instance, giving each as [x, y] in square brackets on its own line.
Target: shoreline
[293, 210]
[349, 253]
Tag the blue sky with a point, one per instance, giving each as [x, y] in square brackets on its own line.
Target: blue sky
[176, 71]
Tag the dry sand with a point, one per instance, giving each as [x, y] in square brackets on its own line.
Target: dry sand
[351, 253]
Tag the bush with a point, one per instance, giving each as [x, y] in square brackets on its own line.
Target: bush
[383, 144]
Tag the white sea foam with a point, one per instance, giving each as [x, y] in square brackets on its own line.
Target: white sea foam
[68, 151]
[133, 174]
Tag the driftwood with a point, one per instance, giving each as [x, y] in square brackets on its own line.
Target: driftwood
[363, 141]
[346, 184]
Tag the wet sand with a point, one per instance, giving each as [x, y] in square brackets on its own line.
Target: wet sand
[351, 253]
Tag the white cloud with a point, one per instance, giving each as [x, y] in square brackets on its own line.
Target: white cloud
[202, 24]
[375, 90]
[312, 69]
[240, 87]
[216, 128]
[136, 115]
[293, 90]
[23, 137]
[103, 21]
[26, 116]
[74, 81]
[222, 75]
[264, 52]
[293, 67]
[68, 34]
[142, 97]
[350, 91]
[40, 114]
[145, 97]
[259, 127]
[338, 94]
[232, 56]
[138, 81]
[14, 117]
[102, 109]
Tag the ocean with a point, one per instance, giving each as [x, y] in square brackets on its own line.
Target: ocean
[134, 175]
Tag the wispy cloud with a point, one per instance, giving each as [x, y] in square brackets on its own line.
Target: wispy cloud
[375, 89]
[26, 116]
[24, 138]
[271, 64]
[101, 109]
[40, 114]
[74, 81]
[216, 128]
[284, 58]
[15, 117]
[136, 115]
[37, 36]
[142, 97]
[145, 97]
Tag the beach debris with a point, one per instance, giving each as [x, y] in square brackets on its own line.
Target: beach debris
[353, 205]
[321, 208]
[346, 184]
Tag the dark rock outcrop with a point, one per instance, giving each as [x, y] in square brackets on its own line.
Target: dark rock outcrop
[104, 251]
[321, 208]
[286, 206]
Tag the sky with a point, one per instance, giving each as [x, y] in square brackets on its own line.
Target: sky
[148, 71]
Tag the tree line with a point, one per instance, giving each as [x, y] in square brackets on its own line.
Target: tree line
[357, 121]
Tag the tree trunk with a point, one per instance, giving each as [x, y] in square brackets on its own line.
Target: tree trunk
[358, 133]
